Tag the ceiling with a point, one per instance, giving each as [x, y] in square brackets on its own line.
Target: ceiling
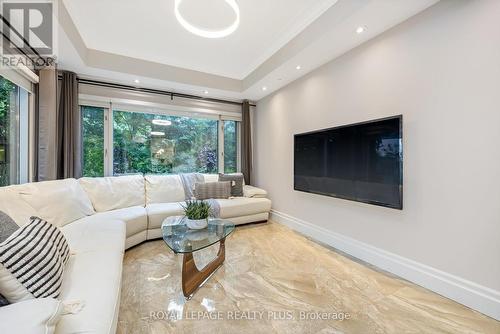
[151, 31]
[122, 41]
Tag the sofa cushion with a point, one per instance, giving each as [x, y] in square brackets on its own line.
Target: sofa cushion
[88, 235]
[163, 189]
[158, 212]
[34, 256]
[135, 218]
[35, 316]
[59, 202]
[12, 204]
[243, 206]
[94, 278]
[115, 192]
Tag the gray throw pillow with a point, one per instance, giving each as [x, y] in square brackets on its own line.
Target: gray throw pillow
[236, 180]
[3, 301]
[7, 226]
[210, 190]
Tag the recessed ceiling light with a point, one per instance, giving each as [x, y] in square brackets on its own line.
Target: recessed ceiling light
[157, 133]
[360, 30]
[205, 92]
[162, 122]
[136, 81]
[205, 32]
[264, 88]
[298, 67]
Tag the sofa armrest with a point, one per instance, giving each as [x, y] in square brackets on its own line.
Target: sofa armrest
[33, 316]
[254, 192]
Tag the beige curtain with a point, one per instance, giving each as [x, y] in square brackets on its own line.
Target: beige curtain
[246, 143]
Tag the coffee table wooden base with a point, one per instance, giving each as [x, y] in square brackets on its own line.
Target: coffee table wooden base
[192, 277]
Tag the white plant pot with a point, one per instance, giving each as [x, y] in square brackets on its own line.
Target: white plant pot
[196, 224]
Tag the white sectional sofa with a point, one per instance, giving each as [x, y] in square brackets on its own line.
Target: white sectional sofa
[101, 218]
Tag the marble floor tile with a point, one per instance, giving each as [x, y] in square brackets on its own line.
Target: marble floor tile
[275, 280]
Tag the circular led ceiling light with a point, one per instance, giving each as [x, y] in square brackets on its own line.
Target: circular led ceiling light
[205, 32]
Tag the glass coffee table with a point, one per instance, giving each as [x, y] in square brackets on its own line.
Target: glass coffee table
[183, 240]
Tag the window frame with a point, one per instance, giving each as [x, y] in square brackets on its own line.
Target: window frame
[148, 108]
[20, 169]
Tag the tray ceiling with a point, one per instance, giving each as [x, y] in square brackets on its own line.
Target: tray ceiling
[128, 40]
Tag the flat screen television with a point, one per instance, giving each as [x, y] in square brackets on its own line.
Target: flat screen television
[361, 162]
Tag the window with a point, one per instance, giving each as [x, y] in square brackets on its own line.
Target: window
[119, 142]
[150, 143]
[230, 147]
[13, 133]
[93, 141]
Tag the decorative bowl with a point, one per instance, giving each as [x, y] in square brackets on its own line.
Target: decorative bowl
[196, 224]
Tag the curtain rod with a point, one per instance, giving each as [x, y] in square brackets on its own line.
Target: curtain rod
[156, 91]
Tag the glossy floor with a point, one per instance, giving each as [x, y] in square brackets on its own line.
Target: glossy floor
[277, 281]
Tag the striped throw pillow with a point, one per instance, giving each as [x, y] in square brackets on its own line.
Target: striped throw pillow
[35, 255]
[209, 190]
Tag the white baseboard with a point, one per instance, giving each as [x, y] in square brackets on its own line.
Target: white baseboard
[473, 295]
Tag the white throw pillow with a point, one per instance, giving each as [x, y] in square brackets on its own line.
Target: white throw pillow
[254, 192]
[35, 316]
[59, 202]
[115, 192]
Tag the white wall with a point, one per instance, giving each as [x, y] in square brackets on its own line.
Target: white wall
[441, 70]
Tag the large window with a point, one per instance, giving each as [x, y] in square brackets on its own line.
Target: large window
[149, 143]
[13, 133]
[155, 143]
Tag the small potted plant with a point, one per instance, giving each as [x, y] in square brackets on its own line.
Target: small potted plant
[197, 213]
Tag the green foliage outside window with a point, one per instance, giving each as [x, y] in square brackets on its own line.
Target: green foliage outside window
[93, 141]
[141, 146]
[230, 147]
[7, 89]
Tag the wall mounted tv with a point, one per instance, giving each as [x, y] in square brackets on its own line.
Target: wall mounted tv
[361, 162]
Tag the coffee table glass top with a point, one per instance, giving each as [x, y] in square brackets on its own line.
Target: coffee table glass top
[182, 239]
